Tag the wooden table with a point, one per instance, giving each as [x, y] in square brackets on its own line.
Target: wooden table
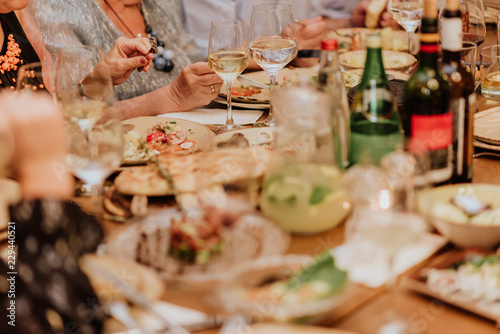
[365, 312]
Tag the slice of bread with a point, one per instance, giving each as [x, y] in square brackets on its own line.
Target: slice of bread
[373, 12]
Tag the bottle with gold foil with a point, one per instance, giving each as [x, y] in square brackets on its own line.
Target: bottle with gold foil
[427, 118]
[375, 122]
[463, 97]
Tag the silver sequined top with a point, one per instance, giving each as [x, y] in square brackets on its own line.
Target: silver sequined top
[67, 23]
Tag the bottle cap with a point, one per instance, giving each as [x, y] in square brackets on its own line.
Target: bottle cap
[329, 44]
[430, 9]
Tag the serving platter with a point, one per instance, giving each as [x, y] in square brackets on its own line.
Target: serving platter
[195, 132]
[416, 280]
[393, 60]
[487, 126]
[286, 77]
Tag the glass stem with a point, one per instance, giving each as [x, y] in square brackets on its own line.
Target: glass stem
[229, 119]
[391, 287]
[272, 85]
[410, 41]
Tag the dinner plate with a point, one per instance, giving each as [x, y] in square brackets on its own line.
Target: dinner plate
[255, 136]
[487, 126]
[351, 39]
[393, 60]
[252, 237]
[199, 134]
[353, 77]
[253, 106]
[286, 77]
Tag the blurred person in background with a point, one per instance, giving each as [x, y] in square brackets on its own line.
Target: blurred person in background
[52, 294]
[173, 84]
[352, 13]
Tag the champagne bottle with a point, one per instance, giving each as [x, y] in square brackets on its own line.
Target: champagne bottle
[463, 98]
[427, 118]
[375, 122]
[330, 80]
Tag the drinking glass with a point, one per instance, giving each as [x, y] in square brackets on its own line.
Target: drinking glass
[468, 54]
[83, 85]
[228, 57]
[272, 42]
[490, 71]
[94, 153]
[473, 25]
[30, 78]
[385, 216]
[408, 13]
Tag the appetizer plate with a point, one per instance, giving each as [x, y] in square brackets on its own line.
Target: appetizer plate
[255, 136]
[416, 280]
[351, 39]
[393, 60]
[487, 126]
[199, 134]
[251, 237]
[353, 77]
[286, 77]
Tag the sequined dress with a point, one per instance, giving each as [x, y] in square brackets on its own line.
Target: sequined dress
[66, 23]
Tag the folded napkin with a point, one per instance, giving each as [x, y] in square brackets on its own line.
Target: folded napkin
[369, 266]
[217, 116]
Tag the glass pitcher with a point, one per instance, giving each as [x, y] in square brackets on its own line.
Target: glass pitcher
[302, 191]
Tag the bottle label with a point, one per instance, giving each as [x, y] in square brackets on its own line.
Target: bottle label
[431, 132]
[452, 34]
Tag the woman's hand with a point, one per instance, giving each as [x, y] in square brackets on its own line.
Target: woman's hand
[195, 86]
[127, 55]
[310, 32]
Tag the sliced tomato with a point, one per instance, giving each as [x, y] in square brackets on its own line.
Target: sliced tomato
[156, 136]
[244, 91]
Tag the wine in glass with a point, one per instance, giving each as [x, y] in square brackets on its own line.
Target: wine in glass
[408, 13]
[228, 57]
[272, 41]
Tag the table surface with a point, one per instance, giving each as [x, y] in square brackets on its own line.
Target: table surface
[366, 312]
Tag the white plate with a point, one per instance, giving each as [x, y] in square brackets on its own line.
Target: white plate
[397, 60]
[199, 134]
[255, 136]
[487, 127]
[253, 106]
[286, 76]
[397, 40]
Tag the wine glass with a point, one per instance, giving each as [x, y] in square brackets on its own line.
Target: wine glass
[408, 13]
[83, 85]
[473, 25]
[272, 42]
[30, 78]
[94, 153]
[228, 57]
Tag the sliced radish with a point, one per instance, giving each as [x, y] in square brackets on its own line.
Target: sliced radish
[186, 145]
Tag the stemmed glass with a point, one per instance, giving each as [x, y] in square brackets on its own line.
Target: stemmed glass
[84, 92]
[408, 13]
[272, 42]
[228, 57]
[473, 25]
[30, 78]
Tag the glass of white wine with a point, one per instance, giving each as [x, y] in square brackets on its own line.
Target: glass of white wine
[228, 57]
[272, 42]
[408, 13]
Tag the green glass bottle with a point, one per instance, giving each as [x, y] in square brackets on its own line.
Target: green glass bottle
[427, 118]
[463, 97]
[375, 122]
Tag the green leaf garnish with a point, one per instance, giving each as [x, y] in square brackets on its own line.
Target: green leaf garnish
[318, 194]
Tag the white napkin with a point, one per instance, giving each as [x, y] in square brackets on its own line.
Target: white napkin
[217, 116]
[368, 265]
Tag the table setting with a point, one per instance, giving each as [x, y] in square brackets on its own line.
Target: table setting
[263, 211]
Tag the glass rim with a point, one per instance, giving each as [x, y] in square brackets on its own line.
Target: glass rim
[468, 45]
[221, 21]
[487, 50]
[272, 6]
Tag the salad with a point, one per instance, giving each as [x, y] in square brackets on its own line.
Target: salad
[168, 137]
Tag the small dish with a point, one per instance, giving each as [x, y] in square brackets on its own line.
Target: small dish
[487, 126]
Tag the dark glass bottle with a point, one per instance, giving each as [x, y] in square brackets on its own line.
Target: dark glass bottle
[330, 80]
[427, 118]
[375, 122]
[463, 98]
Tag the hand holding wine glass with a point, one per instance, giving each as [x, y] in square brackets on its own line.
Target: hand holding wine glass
[272, 41]
[228, 57]
[408, 13]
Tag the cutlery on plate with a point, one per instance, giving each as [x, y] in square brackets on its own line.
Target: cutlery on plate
[253, 83]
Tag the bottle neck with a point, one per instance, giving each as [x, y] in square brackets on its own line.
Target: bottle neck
[374, 68]
[429, 40]
[329, 59]
[451, 35]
